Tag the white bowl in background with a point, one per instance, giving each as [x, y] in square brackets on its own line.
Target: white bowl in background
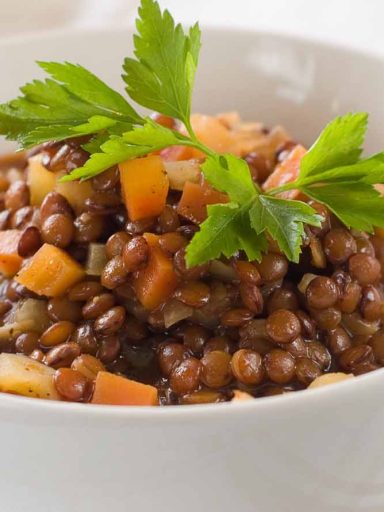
[318, 450]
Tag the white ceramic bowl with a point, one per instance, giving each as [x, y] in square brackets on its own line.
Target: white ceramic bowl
[318, 450]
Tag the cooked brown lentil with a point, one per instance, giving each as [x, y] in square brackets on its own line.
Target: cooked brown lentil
[58, 229]
[364, 268]
[185, 378]
[57, 333]
[115, 244]
[170, 356]
[135, 253]
[339, 245]
[71, 384]
[29, 242]
[216, 369]
[27, 342]
[247, 367]
[53, 204]
[273, 267]
[280, 366]
[321, 293]
[283, 326]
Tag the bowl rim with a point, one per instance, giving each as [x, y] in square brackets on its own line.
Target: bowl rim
[46, 34]
[338, 391]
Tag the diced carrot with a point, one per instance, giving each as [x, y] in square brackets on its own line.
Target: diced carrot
[145, 186]
[176, 153]
[195, 198]
[157, 281]
[112, 389]
[379, 232]
[286, 172]
[152, 239]
[212, 132]
[10, 261]
[50, 271]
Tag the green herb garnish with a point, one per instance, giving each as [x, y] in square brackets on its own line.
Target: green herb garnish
[74, 102]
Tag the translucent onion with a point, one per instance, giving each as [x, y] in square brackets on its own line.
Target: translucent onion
[305, 280]
[223, 271]
[182, 171]
[356, 325]
[318, 256]
[30, 315]
[268, 288]
[254, 336]
[174, 311]
[96, 260]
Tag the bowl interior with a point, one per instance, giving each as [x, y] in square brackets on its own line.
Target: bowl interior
[274, 79]
[271, 78]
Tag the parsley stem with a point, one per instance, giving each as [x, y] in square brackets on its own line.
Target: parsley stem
[188, 126]
[194, 141]
[283, 188]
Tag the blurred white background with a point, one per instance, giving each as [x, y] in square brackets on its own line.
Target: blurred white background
[353, 22]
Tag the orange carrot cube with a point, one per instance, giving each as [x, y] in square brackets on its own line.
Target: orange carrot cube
[112, 389]
[145, 186]
[51, 271]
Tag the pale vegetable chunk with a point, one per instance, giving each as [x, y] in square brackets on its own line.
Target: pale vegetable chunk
[30, 315]
[182, 171]
[40, 180]
[329, 378]
[22, 375]
[241, 396]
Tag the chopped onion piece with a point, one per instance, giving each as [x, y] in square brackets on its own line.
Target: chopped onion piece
[355, 324]
[175, 311]
[30, 315]
[317, 253]
[182, 171]
[96, 260]
[268, 288]
[305, 280]
[223, 271]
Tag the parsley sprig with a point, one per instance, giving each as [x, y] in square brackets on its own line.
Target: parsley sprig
[72, 101]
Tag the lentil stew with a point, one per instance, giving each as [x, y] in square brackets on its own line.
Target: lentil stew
[98, 303]
[181, 259]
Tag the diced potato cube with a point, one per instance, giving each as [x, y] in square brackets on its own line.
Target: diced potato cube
[329, 378]
[75, 192]
[240, 396]
[23, 376]
[40, 180]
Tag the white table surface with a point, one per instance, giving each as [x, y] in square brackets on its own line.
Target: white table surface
[358, 23]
